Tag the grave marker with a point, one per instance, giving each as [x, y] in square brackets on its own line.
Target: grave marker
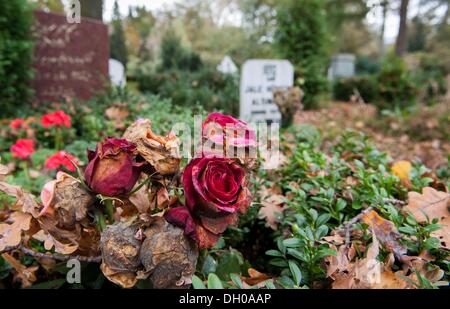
[70, 59]
[258, 80]
[117, 73]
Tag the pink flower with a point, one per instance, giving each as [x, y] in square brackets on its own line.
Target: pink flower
[58, 119]
[23, 148]
[226, 135]
[61, 158]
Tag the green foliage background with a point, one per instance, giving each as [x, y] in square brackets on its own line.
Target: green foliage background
[301, 36]
[16, 47]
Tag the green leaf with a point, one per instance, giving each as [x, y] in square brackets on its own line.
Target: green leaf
[229, 262]
[286, 282]
[54, 284]
[292, 242]
[197, 283]
[209, 265]
[340, 205]
[322, 219]
[297, 254]
[432, 228]
[295, 271]
[407, 230]
[323, 252]
[281, 246]
[278, 262]
[321, 231]
[269, 284]
[214, 282]
[275, 253]
[236, 280]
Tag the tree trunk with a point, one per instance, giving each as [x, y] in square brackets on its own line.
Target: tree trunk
[401, 44]
[384, 5]
[92, 9]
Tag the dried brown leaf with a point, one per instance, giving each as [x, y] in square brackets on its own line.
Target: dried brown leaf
[271, 210]
[386, 232]
[434, 204]
[24, 200]
[24, 274]
[11, 234]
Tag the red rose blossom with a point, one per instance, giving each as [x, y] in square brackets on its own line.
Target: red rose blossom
[112, 169]
[61, 158]
[225, 134]
[23, 148]
[18, 123]
[56, 119]
[215, 191]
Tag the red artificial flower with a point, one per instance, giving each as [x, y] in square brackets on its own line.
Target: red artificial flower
[58, 119]
[18, 123]
[215, 191]
[112, 169]
[23, 148]
[61, 158]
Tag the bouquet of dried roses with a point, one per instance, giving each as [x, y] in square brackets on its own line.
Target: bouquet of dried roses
[133, 210]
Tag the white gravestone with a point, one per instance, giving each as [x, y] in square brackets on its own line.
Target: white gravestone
[227, 66]
[117, 73]
[258, 80]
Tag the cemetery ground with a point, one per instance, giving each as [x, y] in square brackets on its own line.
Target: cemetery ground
[360, 201]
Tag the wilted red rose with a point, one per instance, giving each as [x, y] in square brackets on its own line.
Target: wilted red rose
[215, 191]
[112, 169]
[56, 119]
[227, 135]
[18, 123]
[23, 148]
[61, 158]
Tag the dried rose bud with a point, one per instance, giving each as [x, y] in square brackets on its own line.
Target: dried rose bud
[66, 199]
[162, 152]
[120, 253]
[168, 256]
[112, 169]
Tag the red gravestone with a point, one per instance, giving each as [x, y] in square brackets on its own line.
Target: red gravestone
[70, 59]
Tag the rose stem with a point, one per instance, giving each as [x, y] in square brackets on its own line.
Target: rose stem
[26, 170]
[99, 219]
[58, 138]
[110, 209]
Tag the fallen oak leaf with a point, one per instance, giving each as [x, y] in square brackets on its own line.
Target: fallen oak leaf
[432, 204]
[341, 262]
[11, 234]
[24, 274]
[50, 242]
[271, 210]
[24, 200]
[255, 277]
[4, 170]
[386, 232]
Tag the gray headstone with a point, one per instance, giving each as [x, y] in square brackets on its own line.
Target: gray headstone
[117, 73]
[259, 78]
[342, 66]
